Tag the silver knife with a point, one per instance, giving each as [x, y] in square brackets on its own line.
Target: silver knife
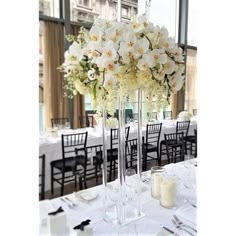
[169, 230]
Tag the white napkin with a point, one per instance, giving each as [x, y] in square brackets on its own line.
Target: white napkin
[187, 213]
[45, 208]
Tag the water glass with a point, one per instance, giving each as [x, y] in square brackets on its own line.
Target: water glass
[67, 125]
[131, 183]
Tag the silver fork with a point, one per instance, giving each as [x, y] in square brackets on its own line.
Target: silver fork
[180, 228]
[182, 224]
[68, 204]
[68, 199]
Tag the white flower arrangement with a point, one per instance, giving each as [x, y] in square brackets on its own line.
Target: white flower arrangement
[184, 115]
[112, 122]
[115, 59]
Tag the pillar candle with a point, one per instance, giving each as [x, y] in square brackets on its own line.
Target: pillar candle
[156, 185]
[168, 193]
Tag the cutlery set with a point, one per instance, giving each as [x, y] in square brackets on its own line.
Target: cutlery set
[69, 203]
[182, 226]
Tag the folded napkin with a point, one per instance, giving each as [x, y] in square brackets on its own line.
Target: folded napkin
[188, 213]
[59, 210]
[82, 225]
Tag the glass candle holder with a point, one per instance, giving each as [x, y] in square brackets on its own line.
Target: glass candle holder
[156, 180]
[168, 192]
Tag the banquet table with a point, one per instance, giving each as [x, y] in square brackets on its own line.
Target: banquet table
[154, 214]
[51, 146]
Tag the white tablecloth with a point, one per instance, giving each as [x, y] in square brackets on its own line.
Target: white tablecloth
[149, 225]
[51, 146]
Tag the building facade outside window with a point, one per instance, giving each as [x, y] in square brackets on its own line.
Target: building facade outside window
[49, 8]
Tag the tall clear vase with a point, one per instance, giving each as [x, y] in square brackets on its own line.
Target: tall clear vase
[126, 212]
[123, 213]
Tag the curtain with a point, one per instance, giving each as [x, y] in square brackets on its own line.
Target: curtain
[177, 103]
[191, 81]
[79, 100]
[56, 104]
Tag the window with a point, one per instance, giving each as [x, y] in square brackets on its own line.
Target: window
[192, 14]
[125, 12]
[85, 3]
[49, 8]
[165, 12]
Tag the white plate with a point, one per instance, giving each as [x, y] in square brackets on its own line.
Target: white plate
[87, 195]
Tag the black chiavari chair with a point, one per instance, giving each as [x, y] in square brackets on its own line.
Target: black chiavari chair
[74, 154]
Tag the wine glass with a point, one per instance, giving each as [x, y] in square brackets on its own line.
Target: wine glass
[130, 182]
[187, 158]
[67, 125]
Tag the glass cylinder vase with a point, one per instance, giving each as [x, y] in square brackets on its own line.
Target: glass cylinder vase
[123, 213]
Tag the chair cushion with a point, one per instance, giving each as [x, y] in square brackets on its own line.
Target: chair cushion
[190, 138]
[111, 156]
[149, 147]
[69, 163]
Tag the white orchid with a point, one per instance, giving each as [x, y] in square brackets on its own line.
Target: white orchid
[126, 54]
[95, 34]
[109, 52]
[167, 43]
[112, 68]
[135, 25]
[114, 33]
[156, 56]
[118, 58]
[73, 55]
[143, 63]
[178, 54]
[141, 47]
[145, 26]
[169, 67]
[177, 82]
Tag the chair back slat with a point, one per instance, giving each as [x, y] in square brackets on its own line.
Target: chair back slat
[183, 126]
[86, 121]
[175, 146]
[72, 141]
[114, 137]
[174, 137]
[153, 132]
[59, 121]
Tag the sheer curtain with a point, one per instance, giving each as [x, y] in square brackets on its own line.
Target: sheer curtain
[79, 100]
[191, 81]
[56, 104]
